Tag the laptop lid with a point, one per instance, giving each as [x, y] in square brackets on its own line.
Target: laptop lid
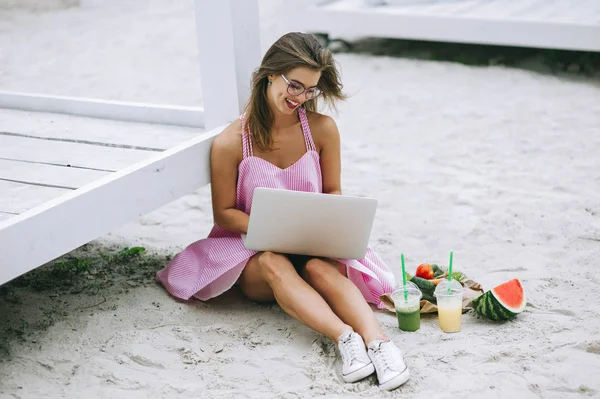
[315, 224]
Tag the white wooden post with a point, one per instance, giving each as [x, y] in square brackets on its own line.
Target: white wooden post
[246, 34]
[229, 49]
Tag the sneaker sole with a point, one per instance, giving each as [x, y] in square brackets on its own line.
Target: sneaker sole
[396, 381]
[359, 374]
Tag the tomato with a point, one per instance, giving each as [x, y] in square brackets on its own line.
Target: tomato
[425, 270]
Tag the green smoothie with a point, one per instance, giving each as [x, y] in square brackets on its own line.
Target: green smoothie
[408, 307]
[409, 321]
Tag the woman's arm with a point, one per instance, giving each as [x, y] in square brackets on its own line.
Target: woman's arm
[327, 140]
[225, 156]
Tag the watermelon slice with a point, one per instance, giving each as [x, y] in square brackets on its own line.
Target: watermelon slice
[502, 302]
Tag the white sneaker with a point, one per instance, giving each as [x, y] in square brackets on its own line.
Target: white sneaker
[356, 364]
[389, 364]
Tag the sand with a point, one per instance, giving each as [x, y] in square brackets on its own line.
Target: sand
[499, 165]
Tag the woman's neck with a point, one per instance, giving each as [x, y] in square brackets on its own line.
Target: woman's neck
[282, 122]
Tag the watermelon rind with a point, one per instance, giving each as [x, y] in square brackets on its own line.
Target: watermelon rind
[500, 311]
[487, 306]
[491, 307]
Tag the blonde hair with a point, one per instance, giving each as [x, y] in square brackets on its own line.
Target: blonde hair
[290, 51]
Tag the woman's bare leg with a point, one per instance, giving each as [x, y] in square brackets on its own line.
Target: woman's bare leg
[343, 297]
[269, 276]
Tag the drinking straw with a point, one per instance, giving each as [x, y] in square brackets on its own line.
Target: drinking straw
[450, 271]
[404, 279]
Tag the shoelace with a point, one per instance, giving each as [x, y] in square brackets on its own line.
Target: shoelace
[384, 356]
[352, 346]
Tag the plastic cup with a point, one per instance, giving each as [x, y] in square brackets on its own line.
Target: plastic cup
[449, 295]
[408, 310]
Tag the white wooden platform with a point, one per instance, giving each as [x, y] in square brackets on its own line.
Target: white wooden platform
[556, 24]
[65, 180]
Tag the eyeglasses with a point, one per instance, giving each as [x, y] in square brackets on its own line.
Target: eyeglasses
[295, 89]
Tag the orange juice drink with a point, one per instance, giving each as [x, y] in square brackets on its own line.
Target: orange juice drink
[449, 296]
[450, 313]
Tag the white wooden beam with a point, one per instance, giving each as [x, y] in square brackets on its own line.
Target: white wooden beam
[228, 39]
[58, 226]
[116, 110]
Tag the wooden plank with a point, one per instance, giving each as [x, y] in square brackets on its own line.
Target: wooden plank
[549, 11]
[565, 11]
[93, 129]
[65, 153]
[80, 216]
[422, 7]
[5, 216]
[47, 174]
[347, 18]
[497, 9]
[461, 7]
[18, 197]
[232, 26]
[532, 8]
[116, 110]
[518, 10]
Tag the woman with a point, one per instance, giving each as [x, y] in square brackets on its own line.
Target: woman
[282, 142]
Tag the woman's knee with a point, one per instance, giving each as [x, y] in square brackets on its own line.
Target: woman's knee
[252, 283]
[274, 267]
[320, 271]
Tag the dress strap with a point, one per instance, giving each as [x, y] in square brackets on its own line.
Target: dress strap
[246, 140]
[310, 144]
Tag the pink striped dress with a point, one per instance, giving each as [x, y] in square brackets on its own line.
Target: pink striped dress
[211, 266]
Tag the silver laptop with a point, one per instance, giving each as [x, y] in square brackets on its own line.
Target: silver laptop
[301, 223]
